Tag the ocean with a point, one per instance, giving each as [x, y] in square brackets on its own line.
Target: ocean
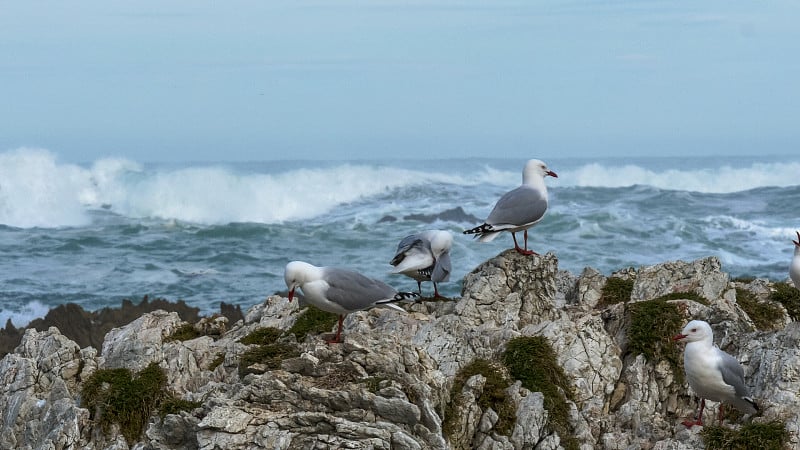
[112, 229]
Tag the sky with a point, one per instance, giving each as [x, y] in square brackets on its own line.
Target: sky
[296, 79]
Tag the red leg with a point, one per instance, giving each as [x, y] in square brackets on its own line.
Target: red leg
[699, 419]
[519, 249]
[436, 292]
[338, 338]
[721, 415]
[525, 234]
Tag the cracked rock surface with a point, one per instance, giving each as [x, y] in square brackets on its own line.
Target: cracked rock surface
[387, 386]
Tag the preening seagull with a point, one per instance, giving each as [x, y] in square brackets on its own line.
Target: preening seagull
[425, 256]
[519, 209]
[713, 374]
[340, 291]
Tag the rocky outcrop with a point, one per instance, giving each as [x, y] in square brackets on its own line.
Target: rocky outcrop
[390, 384]
[88, 328]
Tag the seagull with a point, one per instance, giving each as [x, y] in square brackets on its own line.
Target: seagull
[519, 209]
[712, 373]
[425, 256]
[794, 269]
[340, 291]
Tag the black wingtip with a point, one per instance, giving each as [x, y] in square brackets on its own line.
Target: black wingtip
[479, 229]
[753, 403]
[401, 296]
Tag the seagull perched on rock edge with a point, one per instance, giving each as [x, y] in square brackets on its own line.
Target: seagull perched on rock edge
[519, 209]
[425, 256]
[712, 373]
[794, 269]
[340, 291]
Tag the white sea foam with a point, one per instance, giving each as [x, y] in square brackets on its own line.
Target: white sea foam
[725, 179]
[38, 191]
[24, 315]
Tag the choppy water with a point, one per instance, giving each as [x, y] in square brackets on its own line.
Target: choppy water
[97, 233]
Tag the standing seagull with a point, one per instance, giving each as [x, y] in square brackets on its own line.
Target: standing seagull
[340, 291]
[519, 209]
[794, 269]
[425, 256]
[712, 373]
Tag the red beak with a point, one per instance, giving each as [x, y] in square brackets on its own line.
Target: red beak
[291, 295]
[678, 337]
[551, 173]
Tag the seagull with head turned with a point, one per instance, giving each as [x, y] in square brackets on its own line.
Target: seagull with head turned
[425, 256]
[518, 209]
[713, 374]
[794, 269]
[340, 291]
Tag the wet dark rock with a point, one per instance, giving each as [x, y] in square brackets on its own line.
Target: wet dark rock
[89, 328]
[451, 215]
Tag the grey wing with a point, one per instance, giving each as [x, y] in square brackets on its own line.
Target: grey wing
[441, 268]
[732, 373]
[407, 244]
[354, 291]
[524, 205]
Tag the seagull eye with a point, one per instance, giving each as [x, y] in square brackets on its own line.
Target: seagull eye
[694, 330]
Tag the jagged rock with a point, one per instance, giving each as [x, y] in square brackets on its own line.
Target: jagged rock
[89, 328]
[703, 277]
[388, 384]
[39, 384]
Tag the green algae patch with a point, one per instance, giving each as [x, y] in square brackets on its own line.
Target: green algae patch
[763, 314]
[262, 336]
[531, 360]
[173, 405]
[217, 362]
[267, 356]
[313, 321]
[762, 436]
[373, 384]
[616, 290]
[653, 323]
[493, 396]
[115, 396]
[788, 296]
[185, 332]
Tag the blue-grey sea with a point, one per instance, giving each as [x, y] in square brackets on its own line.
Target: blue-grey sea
[111, 229]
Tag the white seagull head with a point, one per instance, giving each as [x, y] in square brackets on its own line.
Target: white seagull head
[441, 242]
[536, 169]
[296, 274]
[695, 331]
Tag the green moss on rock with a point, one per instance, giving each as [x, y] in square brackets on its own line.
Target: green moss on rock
[115, 396]
[763, 314]
[270, 356]
[262, 336]
[313, 320]
[762, 436]
[173, 405]
[788, 296]
[217, 361]
[531, 360]
[185, 332]
[616, 290]
[652, 325]
[494, 396]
